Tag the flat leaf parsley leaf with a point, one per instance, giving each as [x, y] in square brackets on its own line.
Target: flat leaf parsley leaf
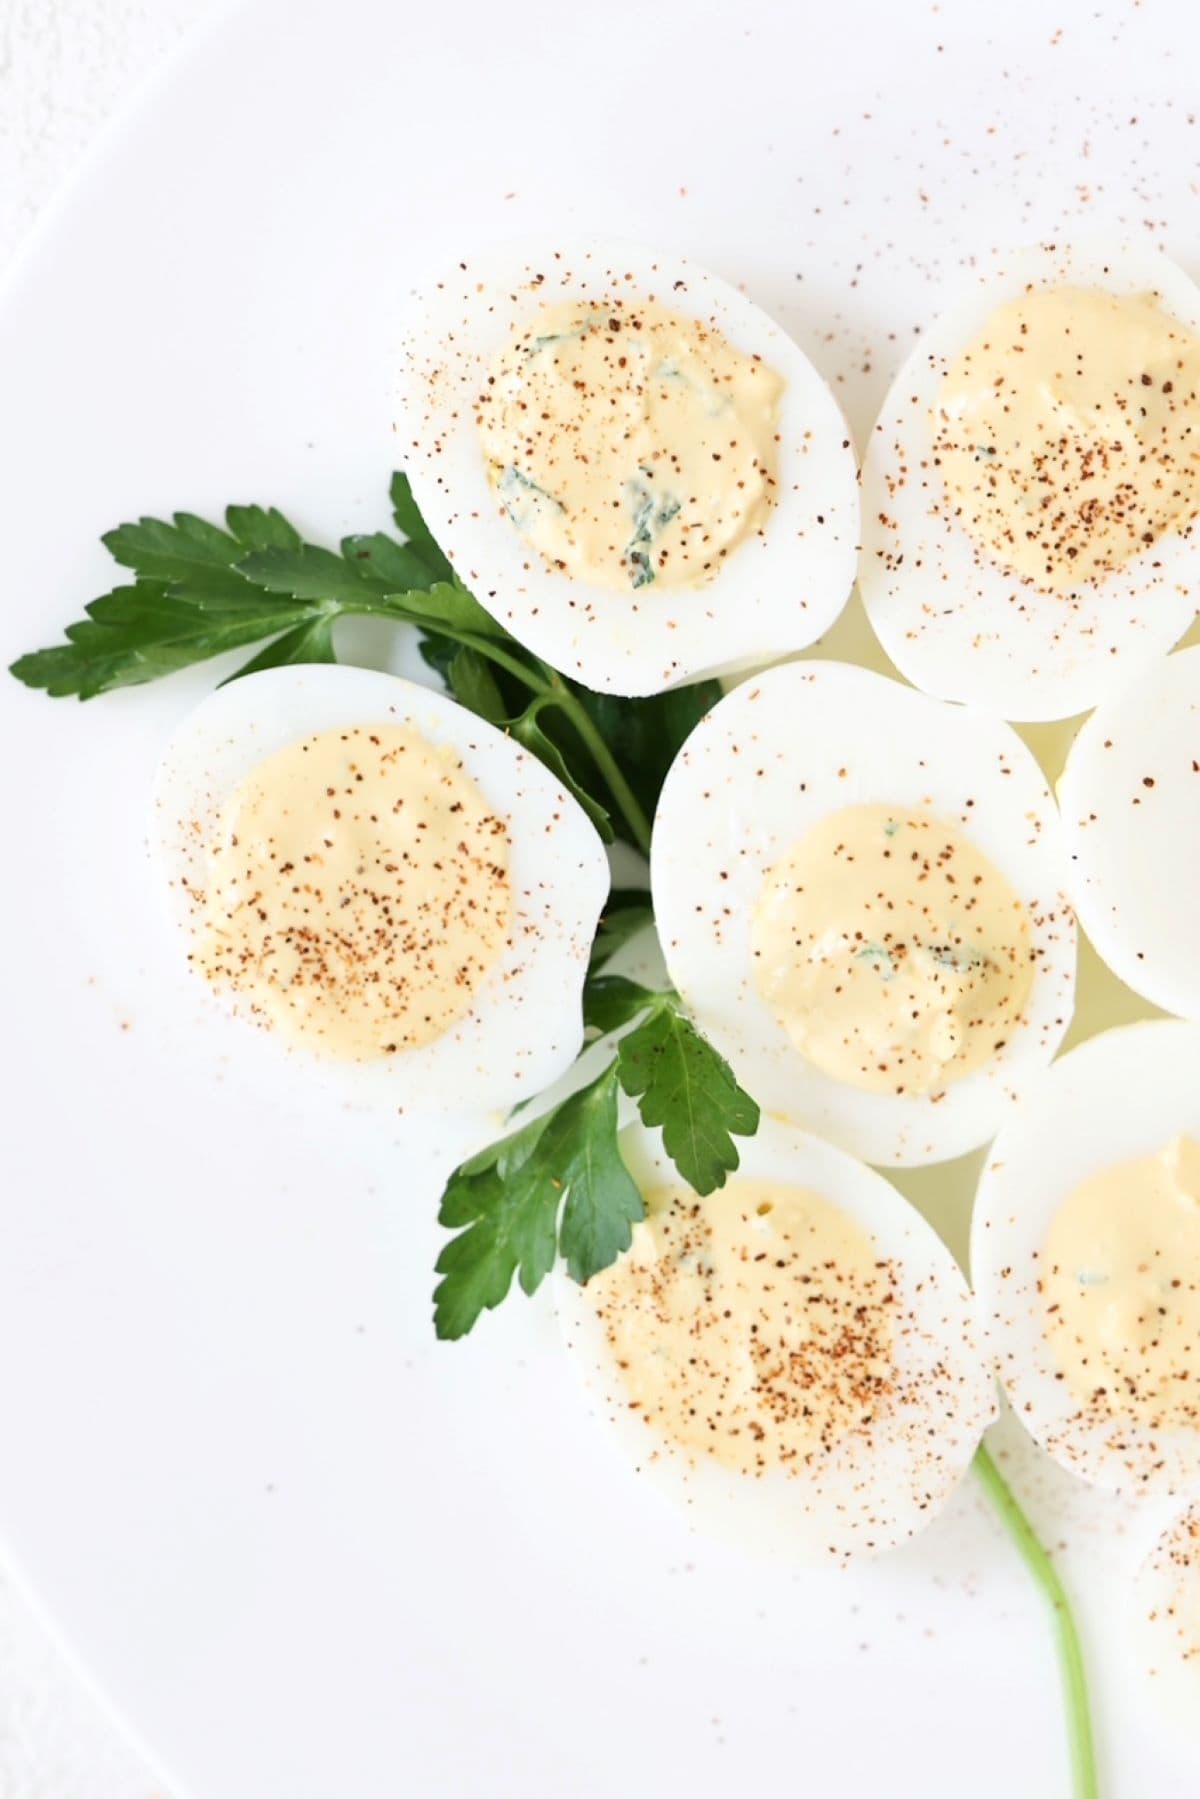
[141, 632]
[558, 1184]
[682, 1086]
[201, 590]
[414, 530]
[309, 642]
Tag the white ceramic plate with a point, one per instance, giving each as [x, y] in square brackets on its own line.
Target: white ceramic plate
[308, 1551]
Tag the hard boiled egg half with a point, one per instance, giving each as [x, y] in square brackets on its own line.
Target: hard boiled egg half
[859, 892]
[1085, 1253]
[1130, 799]
[1030, 486]
[627, 461]
[792, 1359]
[1167, 1618]
[400, 896]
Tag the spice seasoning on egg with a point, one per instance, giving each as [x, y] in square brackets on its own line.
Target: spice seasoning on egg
[1067, 434]
[1177, 1615]
[357, 892]
[892, 952]
[1120, 1288]
[630, 444]
[756, 1327]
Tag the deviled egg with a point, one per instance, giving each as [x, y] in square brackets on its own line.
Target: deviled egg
[383, 882]
[1031, 485]
[1130, 799]
[792, 1359]
[628, 462]
[1167, 1622]
[1085, 1252]
[859, 893]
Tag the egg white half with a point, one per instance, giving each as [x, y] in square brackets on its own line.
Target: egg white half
[953, 622]
[525, 1026]
[784, 750]
[1130, 799]
[868, 1493]
[1123, 1094]
[1166, 1622]
[777, 592]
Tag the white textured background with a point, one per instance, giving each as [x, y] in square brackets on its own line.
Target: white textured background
[65, 67]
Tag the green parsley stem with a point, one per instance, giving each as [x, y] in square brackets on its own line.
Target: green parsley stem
[541, 679]
[1084, 1783]
[393, 607]
[606, 762]
[530, 677]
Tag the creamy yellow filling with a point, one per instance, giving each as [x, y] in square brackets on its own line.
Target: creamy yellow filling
[630, 445]
[357, 892]
[891, 951]
[1120, 1283]
[755, 1327]
[1067, 434]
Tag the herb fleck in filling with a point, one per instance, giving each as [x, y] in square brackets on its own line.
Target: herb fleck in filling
[630, 445]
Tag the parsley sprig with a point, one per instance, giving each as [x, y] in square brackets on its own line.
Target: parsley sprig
[557, 1186]
[557, 1183]
[200, 590]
